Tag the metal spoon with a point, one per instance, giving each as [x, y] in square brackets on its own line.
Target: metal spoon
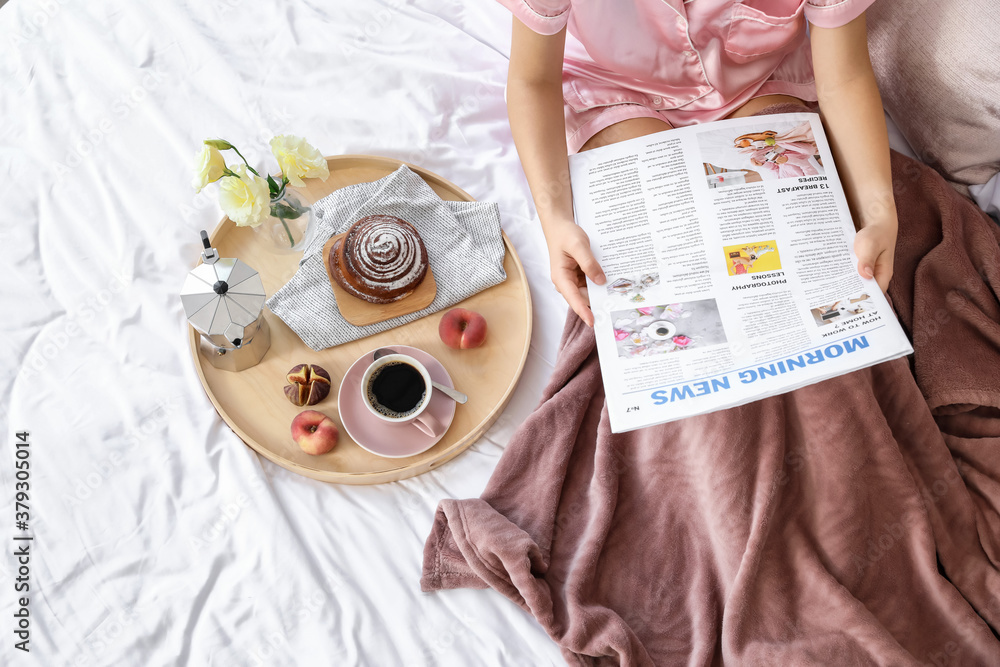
[453, 394]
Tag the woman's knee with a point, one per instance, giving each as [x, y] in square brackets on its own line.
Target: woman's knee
[758, 103]
[624, 130]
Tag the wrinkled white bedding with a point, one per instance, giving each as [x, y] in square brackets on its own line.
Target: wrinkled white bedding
[159, 537]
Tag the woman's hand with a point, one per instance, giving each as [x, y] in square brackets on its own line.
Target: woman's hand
[875, 246]
[535, 108]
[571, 262]
[852, 112]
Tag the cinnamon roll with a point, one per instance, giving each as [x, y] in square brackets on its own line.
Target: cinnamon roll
[381, 259]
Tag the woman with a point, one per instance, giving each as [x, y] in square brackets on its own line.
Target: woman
[586, 73]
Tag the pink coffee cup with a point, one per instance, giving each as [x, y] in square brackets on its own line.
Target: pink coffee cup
[418, 415]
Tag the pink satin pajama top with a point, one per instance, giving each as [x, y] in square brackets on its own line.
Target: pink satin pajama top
[684, 62]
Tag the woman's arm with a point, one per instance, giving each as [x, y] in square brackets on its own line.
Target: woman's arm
[852, 112]
[535, 109]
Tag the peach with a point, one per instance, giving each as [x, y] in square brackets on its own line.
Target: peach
[462, 329]
[314, 432]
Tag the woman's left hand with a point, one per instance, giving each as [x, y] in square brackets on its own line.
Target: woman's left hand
[875, 246]
[855, 125]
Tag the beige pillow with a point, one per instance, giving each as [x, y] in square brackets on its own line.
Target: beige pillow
[936, 65]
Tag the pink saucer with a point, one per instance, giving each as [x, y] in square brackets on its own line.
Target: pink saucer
[394, 441]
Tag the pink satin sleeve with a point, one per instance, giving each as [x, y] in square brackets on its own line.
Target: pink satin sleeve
[546, 17]
[834, 13]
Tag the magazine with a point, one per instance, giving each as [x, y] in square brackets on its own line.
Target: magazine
[731, 275]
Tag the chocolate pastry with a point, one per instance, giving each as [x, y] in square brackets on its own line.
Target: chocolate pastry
[381, 259]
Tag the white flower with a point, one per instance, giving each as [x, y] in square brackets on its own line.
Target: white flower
[209, 165]
[298, 159]
[245, 198]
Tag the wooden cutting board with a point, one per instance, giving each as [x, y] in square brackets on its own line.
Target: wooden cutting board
[360, 312]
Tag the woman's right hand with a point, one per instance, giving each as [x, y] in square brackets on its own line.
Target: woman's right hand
[571, 261]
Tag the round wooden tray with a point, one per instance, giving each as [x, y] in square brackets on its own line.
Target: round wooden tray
[253, 402]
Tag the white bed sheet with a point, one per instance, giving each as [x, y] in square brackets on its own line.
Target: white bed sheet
[159, 537]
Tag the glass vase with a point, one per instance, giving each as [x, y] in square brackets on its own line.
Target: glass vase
[286, 229]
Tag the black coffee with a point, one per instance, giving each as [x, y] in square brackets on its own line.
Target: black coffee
[396, 389]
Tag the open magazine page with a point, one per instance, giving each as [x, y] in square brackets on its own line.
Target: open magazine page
[729, 252]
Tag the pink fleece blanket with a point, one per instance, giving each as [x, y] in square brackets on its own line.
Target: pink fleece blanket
[854, 521]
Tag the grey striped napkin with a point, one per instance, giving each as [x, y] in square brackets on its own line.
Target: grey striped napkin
[463, 242]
